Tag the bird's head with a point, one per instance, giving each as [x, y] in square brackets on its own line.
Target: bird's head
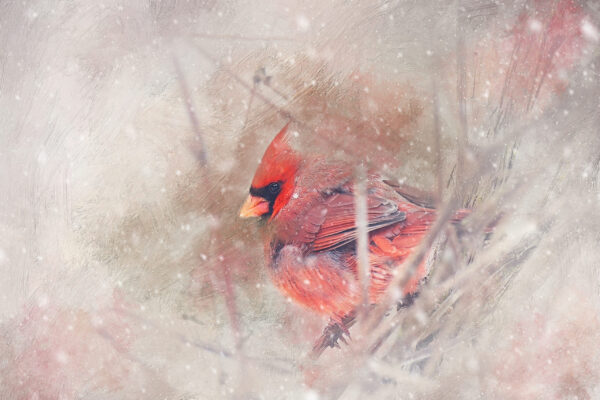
[274, 180]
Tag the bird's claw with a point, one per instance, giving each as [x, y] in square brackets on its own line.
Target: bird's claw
[333, 333]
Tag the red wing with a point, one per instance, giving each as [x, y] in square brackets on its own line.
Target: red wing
[331, 224]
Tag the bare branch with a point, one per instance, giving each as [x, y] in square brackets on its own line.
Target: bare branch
[201, 151]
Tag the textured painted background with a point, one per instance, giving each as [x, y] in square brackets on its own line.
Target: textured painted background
[129, 135]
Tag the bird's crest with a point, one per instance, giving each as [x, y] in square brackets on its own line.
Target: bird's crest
[279, 163]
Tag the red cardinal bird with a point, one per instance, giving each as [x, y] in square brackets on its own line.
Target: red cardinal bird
[308, 205]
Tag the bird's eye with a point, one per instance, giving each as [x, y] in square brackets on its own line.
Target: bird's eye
[274, 187]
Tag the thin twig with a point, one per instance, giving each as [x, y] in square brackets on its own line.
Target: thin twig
[461, 89]
[201, 153]
[210, 348]
[437, 146]
[362, 242]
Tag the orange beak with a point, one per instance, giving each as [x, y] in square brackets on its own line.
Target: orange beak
[254, 207]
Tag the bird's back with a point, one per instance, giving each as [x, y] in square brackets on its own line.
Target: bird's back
[313, 248]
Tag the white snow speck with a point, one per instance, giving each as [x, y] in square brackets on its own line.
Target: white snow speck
[311, 395]
[295, 195]
[590, 32]
[302, 23]
[61, 357]
[42, 157]
[535, 25]
[42, 301]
